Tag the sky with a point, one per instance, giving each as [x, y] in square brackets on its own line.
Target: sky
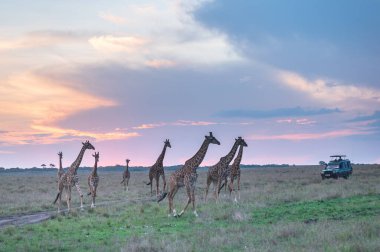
[298, 80]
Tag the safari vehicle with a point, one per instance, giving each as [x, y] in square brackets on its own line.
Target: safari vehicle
[339, 166]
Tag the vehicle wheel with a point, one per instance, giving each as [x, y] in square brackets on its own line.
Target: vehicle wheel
[345, 176]
[335, 176]
[323, 177]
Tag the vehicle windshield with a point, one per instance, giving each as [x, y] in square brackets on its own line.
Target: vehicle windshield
[332, 167]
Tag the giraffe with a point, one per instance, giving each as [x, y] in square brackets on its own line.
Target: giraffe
[93, 180]
[60, 171]
[187, 176]
[126, 176]
[157, 170]
[70, 178]
[234, 172]
[217, 172]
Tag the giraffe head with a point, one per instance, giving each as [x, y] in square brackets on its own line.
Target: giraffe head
[127, 160]
[60, 154]
[167, 143]
[88, 145]
[212, 139]
[96, 156]
[241, 142]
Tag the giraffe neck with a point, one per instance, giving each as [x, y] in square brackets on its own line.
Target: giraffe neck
[197, 159]
[74, 166]
[238, 157]
[160, 159]
[95, 170]
[228, 158]
[60, 164]
[127, 167]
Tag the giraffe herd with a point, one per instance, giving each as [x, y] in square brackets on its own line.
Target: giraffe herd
[186, 176]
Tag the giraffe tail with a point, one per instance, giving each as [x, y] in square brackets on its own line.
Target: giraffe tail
[89, 193]
[149, 183]
[162, 196]
[122, 181]
[56, 198]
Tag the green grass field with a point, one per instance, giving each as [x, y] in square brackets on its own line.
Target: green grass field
[281, 209]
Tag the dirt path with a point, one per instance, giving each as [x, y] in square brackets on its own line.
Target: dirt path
[24, 219]
[20, 220]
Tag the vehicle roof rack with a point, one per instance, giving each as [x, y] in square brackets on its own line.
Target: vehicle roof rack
[333, 156]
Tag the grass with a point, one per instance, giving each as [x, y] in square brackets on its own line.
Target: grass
[280, 210]
[312, 211]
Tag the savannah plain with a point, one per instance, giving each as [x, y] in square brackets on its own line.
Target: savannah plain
[280, 209]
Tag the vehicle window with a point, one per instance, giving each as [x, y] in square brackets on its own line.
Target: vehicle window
[332, 166]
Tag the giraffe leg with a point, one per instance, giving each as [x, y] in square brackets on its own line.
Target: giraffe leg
[163, 178]
[207, 187]
[193, 201]
[151, 187]
[68, 197]
[172, 193]
[238, 182]
[217, 189]
[60, 200]
[60, 191]
[93, 197]
[225, 184]
[188, 190]
[157, 185]
[127, 184]
[80, 195]
[231, 187]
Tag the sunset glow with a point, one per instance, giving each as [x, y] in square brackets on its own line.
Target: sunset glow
[128, 75]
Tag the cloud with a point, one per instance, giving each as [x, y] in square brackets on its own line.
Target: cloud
[6, 152]
[305, 121]
[31, 104]
[160, 63]
[176, 123]
[112, 18]
[109, 43]
[284, 121]
[282, 112]
[374, 116]
[39, 134]
[57, 133]
[193, 123]
[310, 136]
[165, 34]
[42, 38]
[302, 121]
[150, 126]
[44, 100]
[348, 97]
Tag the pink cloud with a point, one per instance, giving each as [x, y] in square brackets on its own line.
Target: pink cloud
[176, 123]
[193, 123]
[149, 126]
[353, 97]
[305, 121]
[284, 121]
[157, 63]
